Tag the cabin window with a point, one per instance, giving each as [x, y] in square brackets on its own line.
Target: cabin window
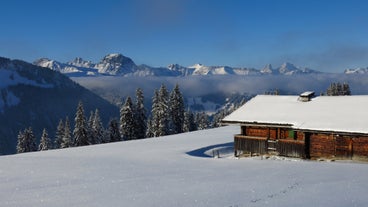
[292, 134]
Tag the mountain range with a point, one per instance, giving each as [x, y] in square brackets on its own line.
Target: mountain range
[119, 65]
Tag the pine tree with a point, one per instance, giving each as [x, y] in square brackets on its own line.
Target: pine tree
[202, 120]
[67, 138]
[154, 122]
[113, 131]
[338, 89]
[140, 115]
[189, 122]
[30, 140]
[80, 133]
[26, 141]
[91, 135]
[59, 135]
[45, 142]
[346, 89]
[149, 131]
[21, 142]
[216, 121]
[176, 110]
[127, 120]
[97, 129]
[163, 112]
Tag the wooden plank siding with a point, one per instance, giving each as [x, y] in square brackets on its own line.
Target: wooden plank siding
[291, 148]
[260, 145]
[322, 145]
[249, 145]
[360, 148]
[298, 143]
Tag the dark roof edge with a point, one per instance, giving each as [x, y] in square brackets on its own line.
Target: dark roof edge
[255, 123]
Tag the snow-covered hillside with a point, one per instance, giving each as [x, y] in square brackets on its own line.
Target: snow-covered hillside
[39, 97]
[119, 65]
[175, 171]
[9, 77]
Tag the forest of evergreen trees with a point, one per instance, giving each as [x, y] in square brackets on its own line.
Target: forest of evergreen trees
[168, 116]
[338, 89]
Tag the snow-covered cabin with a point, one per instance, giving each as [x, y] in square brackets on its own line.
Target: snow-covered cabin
[303, 126]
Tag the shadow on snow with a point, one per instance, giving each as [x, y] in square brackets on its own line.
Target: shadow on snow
[213, 150]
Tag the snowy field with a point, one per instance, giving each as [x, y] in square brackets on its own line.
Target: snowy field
[176, 170]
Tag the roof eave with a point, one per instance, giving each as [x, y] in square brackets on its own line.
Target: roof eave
[265, 124]
[254, 123]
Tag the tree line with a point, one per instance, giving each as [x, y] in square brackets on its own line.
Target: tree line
[168, 116]
[338, 89]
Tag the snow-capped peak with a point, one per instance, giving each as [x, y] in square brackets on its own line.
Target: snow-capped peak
[79, 62]
[356, 71]
[267, 69]
[116, 64]
[174, 67]
[113, 55]
[47, 63]
[196, 66]
[287, 67]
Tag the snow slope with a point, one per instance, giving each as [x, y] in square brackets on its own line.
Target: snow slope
[175, 171]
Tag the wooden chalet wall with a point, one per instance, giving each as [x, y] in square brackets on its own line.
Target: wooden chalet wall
[322, 145]
[270, 140]
[339, 146]
[304, 144]
[360, 147]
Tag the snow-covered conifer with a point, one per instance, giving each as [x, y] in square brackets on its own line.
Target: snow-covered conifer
[91, 137]
[21, 142]
[67, 137]
[113, 133]
[149, 131]
[59, 134]
[163, 112]
[26, 141]
[80, 132]
[176, 110]
[154, 122]
[45, 142]
[127, 120]
[30, 140]
[338, 89]
[97, 129]
[346, 89]
[140, 115]
[202, 120]
[189, 122]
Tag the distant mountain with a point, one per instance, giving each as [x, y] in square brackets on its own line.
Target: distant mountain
[39, 97]
[356, 71]
[116, 64]
[286, 69]
[119, 65]
[267, 69]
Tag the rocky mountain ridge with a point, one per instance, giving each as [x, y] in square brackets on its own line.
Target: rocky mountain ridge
[119, 65]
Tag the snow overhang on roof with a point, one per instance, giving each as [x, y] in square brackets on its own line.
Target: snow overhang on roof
[323, 113]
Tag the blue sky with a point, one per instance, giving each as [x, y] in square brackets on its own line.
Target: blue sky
[327, 35]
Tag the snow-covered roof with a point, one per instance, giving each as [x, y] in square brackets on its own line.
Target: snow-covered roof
[324, 113]
[307, 93]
